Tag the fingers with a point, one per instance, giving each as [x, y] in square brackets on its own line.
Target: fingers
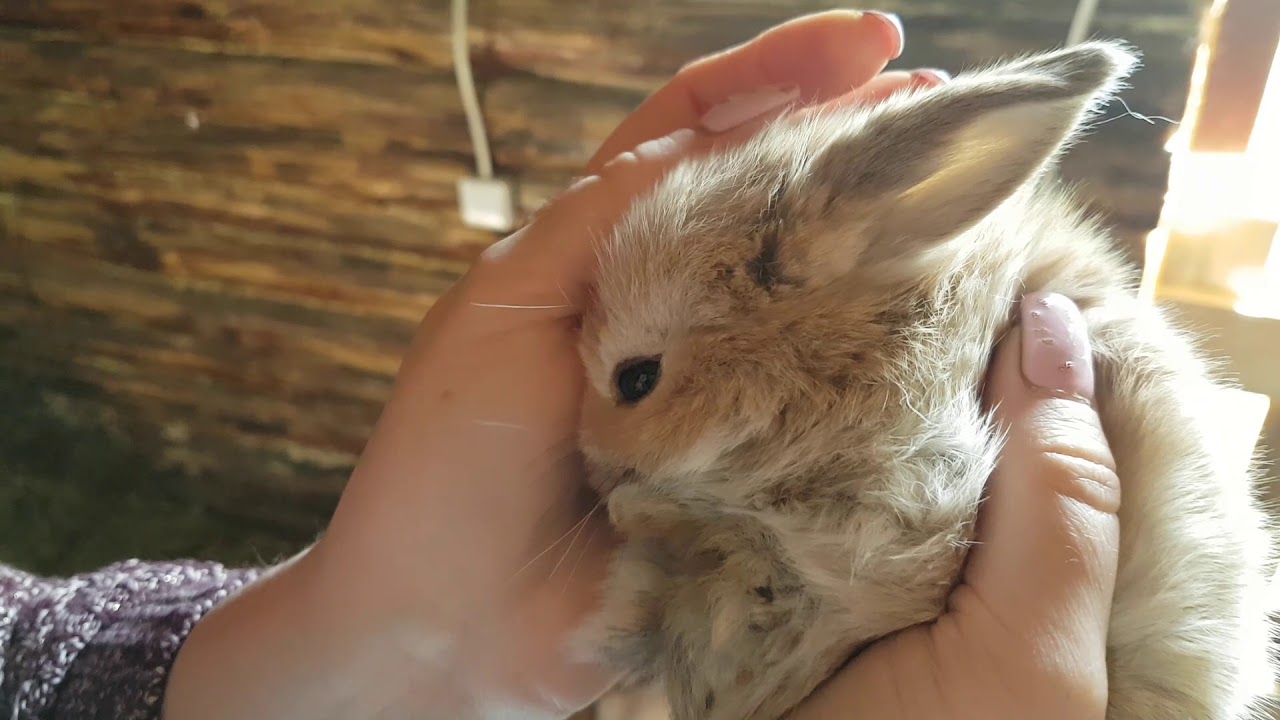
[549, 262]
[821, 56]
[1046, 565]
[885, 84]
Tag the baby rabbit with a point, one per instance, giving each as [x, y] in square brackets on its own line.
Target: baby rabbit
[784, 352]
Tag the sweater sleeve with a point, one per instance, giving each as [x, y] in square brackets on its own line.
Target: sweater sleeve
[101, 644]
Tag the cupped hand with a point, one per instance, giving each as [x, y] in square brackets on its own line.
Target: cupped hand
[1024, 635]
[463, 553]
[471, 472]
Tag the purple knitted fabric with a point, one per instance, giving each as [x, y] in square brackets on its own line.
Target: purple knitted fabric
[101, 644]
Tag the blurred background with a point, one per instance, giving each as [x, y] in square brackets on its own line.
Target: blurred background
[220, 220]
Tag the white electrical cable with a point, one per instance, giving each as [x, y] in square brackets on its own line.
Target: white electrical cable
[467, 87]
[1081, 22]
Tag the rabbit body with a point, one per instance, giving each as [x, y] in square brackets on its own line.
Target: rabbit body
[807, 321]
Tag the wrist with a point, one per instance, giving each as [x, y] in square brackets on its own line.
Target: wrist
[519, 653]
[287, 647]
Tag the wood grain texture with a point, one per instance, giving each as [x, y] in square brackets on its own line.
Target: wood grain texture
[220, 220]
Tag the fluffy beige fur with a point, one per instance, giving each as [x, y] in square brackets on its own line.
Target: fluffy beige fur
[805, 475]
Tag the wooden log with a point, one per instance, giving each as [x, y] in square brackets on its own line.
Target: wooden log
[215, 388]
[108, 124]
[588, 42]
[241, 330]
[221, 221]
[234, 256]
[596, 48]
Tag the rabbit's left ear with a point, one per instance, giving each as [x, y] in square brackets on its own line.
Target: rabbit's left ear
[927, 169]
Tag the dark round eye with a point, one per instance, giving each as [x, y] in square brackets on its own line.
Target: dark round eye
[635, 379]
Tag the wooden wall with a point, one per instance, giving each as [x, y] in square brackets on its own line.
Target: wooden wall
[220, 220]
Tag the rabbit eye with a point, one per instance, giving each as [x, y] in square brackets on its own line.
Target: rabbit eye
[635, 379]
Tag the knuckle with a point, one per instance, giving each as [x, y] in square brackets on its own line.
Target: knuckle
[1082, 478]
[1075, 455]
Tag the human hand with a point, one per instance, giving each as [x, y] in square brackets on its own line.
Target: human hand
[462, 553]
[1025, 632]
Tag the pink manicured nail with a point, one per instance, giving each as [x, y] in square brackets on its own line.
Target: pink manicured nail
[896, 22]
[739, 109]
[655, 148]
[581, 182]
[676, 141]
[622, 157]
[941, 76]
[1056, 354]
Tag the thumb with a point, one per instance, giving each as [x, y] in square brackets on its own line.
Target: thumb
[1046, 564]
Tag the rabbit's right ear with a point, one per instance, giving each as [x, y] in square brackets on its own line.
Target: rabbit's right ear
[927, 168]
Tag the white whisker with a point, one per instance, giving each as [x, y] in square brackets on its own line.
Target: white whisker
[580, 525]
[585, 546]
[521, 307]
[576, 526]
[499, 424]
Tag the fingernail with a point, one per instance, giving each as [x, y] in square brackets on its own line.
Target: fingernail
[941, 76]
[1056, 354]
[739, 109]
[896, 22]
[652, 149]
[581, 182]
[620, 158]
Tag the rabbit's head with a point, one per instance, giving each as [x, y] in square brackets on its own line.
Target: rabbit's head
[748, 316]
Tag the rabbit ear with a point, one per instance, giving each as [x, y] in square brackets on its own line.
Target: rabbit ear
[926, 168]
